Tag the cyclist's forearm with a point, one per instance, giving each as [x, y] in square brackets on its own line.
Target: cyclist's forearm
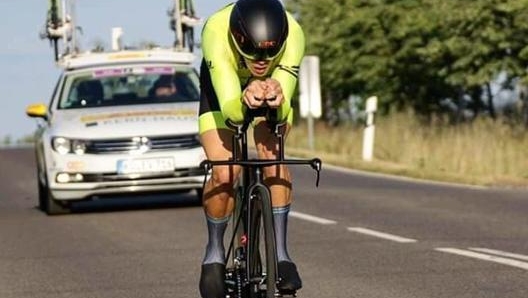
[233, 110]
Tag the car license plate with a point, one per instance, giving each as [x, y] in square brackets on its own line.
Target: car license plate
[145, 165]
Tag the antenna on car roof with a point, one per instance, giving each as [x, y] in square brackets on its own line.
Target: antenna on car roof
[60, 25]
[183, 19]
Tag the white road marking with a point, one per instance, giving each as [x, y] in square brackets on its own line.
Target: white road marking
[381, 235]
[401, 178]
[485, 257]
[500, 253]
[312, 218]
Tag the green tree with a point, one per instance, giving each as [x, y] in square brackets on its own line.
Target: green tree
[416, 52]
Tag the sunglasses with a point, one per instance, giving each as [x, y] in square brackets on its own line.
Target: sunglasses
[265, 50]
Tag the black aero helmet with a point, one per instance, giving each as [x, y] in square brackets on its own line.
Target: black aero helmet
[258, 28]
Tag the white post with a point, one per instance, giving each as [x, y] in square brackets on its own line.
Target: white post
[311, 142]
[310, 94]
[369, 131]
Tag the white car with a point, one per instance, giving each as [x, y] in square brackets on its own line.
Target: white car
[106, 129]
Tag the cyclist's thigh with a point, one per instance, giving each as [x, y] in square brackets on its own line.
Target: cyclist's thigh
[216, 138]
[217, 144]
[266, 141]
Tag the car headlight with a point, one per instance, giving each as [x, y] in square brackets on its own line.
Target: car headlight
[78, 146]
[61, 145]
[64, 146]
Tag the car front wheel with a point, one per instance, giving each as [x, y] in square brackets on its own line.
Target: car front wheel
[48, 204]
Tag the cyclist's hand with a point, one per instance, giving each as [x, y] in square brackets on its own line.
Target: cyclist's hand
[274, 96]
[255, 94]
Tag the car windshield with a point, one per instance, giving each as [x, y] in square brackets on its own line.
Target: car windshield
[130, 85]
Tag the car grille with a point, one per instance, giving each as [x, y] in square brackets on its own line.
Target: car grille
[107, 177]
[150, 144]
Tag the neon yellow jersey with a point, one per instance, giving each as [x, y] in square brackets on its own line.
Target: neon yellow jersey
[229, 73]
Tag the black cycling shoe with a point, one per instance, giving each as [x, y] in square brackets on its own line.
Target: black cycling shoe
[212, 284]
[289, 277]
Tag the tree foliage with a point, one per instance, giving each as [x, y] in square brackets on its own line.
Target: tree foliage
[416, 52]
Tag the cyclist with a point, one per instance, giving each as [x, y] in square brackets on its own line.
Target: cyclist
[252, 51]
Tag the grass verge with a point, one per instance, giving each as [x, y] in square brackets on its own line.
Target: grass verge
[484, 152]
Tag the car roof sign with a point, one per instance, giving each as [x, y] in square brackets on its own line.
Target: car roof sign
[91, 59]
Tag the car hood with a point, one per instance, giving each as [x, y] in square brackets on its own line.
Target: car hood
[140, 120]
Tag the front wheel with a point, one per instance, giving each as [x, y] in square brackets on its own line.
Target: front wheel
[270, 247]
[263, 269]
[47, 202]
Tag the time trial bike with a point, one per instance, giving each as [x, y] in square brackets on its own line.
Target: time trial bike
[251, 259]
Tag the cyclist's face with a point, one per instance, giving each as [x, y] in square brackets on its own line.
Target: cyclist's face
[258, 68]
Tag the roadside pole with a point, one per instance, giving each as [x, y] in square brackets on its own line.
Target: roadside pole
[369, 131]
[310, 94]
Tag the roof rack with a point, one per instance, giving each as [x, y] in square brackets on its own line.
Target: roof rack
[90, 59]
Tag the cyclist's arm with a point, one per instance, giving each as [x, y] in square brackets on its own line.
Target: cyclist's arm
[224, 77]
[287, 69]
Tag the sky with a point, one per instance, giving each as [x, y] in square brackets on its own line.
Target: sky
[28, 68]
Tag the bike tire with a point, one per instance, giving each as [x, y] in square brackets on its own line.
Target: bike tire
[254, 262]
[270, 245]
[263, 230]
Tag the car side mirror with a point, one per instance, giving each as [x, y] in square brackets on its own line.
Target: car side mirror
[37, 110]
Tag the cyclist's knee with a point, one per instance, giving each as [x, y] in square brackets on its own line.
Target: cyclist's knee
[280, 171]
[267, 150]
[223, 175]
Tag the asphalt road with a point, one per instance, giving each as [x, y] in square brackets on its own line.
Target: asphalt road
[356, 235]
